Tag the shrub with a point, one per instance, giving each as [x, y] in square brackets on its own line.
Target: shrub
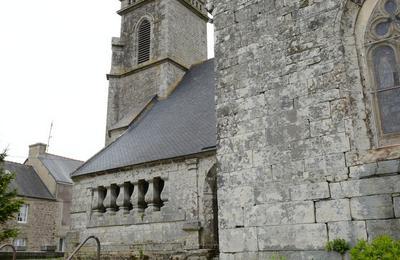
[381, 248]
[338, 245]
[278, 257]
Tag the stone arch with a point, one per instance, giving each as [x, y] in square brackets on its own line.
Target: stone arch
[135, 36]
[352, 21]
[209, 232]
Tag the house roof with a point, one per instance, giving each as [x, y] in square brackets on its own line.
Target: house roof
[60, 167]
[27, 182]
[183, 124]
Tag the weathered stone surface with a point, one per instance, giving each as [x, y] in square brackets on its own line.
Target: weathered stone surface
[396, 204]
[303, 57]
[371, 169]
[372, 207]
[276, 192]
[292, 237]
[287, 255]
[365, 187]
[238, 240]
[351, 231]
[312, 191]
[280, 213]
[333, 210]
[389, 227]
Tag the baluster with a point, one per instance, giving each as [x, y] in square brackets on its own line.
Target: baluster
[98, 198]
[153, 195]
[110, 200]
[123, 200]
[164, 196]
[149, 198]
[136, 207]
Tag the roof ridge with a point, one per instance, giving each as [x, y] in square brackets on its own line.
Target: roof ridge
[19, 164]
[59, 156]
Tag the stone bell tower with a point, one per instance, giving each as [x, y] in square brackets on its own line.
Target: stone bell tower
[159, 41]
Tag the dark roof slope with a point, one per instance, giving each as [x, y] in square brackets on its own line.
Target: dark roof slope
[182, 124]
[27, 182]
[59, 167]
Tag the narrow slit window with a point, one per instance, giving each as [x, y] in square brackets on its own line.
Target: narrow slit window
[144, 38]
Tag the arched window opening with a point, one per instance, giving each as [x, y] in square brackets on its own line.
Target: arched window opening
[383, 49]
[387, 90]
[144, 38]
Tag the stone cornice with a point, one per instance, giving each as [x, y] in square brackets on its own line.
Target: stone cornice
[147, 66]
[202, 13]
[210, 152]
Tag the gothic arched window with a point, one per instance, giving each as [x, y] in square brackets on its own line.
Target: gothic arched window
[383, 47]
[144, 41]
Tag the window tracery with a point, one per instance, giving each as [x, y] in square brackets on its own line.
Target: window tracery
[382, 48]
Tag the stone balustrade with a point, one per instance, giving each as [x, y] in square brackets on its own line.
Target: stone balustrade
[130, 197]
[133, 202]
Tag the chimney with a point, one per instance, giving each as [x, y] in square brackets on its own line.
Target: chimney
[35, 150]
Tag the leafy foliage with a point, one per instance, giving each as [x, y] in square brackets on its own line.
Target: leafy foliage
[338, 245]
[9, 203]
[381, 248]
[278, 257]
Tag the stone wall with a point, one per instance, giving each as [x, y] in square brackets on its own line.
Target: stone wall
[298, 164]
[182, 225]
[40, 229]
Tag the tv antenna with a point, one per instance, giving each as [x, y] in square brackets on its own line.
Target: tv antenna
[50, 136]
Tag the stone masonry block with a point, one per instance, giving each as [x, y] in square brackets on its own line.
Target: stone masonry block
[365, 187]
[310, 191]
[372, 207]
[238, 240]
[231, 216]
[389, 227]
[351, 231]
[271, 192]
[333, 210]
[280, 213]
[396, 204]
[385, 167]
[293, 237]
[288, 171]
[362, 171]
[370, 169]
[243, 195]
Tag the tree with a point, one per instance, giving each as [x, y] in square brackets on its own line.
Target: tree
[9, 202]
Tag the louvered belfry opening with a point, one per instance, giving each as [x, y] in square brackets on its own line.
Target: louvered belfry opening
[144, 41]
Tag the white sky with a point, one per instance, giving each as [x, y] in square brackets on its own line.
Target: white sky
[53, 59]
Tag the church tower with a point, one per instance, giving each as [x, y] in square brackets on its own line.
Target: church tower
[159, 41]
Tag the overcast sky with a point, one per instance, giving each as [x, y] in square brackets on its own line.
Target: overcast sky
[53, 59]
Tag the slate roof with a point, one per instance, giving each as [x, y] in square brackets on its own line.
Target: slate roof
[60, 167]
[27, 182]
[183, 124]
[130, 117]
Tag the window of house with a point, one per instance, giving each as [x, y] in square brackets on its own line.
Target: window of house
[23, 214]
[61, 245]
[144, 38]
[383, 57]
[20, 242]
